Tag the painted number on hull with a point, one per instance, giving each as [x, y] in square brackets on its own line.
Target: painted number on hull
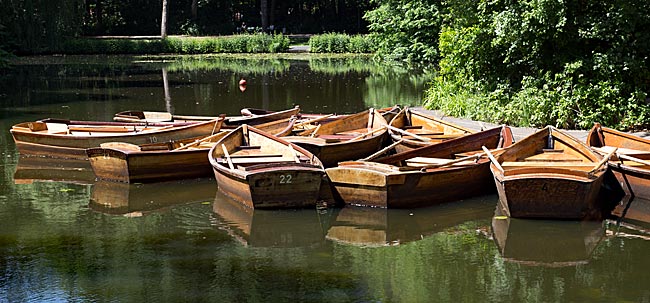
[285, 179]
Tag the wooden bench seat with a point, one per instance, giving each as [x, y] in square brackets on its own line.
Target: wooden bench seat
[256, 160]
[552, 157]
[586, 166]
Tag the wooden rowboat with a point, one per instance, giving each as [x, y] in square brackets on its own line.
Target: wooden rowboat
[178, 159]
[444, 172]
[263, 171]
[349, 138]
[70, 139]
[631, 162]
[551, 175]
[416, 129]
[252, 117]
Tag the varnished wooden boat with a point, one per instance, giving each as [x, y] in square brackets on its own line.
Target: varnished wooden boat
[70, 140]
[416, 129]
[631, 162]
[252, 117]
[551, 175]
[178, 159]
[263, 171]
[349, 138]
[443, 172]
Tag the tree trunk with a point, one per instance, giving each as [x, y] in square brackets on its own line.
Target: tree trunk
[195, 9]
[163, 20]
[264, 14]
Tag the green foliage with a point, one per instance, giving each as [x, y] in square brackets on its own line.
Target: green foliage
[539, 62]
[406, 30]
[340, 43]
[255, 43]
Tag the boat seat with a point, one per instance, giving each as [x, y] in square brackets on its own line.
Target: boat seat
[467, 154]
[121, 146]
[255, 160]
[425, 132]
[586, 166]
[336, 138]
[57, 128]
[552, 157]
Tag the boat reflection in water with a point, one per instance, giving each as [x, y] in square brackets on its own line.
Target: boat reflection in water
[549, 243]
[137, 199]
[375, 227]
[270, 228]
[30, 169]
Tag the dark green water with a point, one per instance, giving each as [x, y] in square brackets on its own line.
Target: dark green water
[80, 240]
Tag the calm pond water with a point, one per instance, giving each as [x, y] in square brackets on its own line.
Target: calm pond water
[75, 239]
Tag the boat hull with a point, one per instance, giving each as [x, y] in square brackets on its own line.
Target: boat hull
[73, 146]
[550, 196]
[637, 178]
[358, 185]
[272, 189]
[121, 166]
[331, 154]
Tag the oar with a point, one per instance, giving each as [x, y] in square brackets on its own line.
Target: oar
[603, 161]
[225, 153]
[477, 156]
[321, 118]
[381, 152]
[493, 159]
[313, 134]
[405, 133]
[197, 142]
[634, 159]
[376, 130]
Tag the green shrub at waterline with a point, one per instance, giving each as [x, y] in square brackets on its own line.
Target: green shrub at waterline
[254, 43]
[341, 43]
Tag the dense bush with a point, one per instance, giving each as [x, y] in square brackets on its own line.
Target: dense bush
[406, 30]
[538, 62]
[254, 43]
[341, 43]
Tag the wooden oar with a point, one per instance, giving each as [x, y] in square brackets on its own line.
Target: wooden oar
[493, 159]
[405, 133]
[602, 162]
[381, 152]
[634, 159]
[197, 142]
[477, 156]
[295, 155]
[313, 120]
[313, 134]
[376, 130]
[227, 154]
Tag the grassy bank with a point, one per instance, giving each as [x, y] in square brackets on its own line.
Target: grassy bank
[250, 43]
